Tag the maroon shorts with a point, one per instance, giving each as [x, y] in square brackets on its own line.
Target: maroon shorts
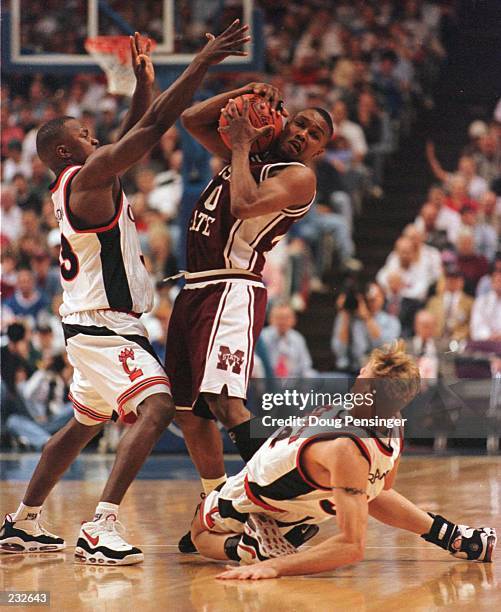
[210, 343]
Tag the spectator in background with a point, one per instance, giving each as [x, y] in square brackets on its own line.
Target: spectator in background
[14, 363]
[452, 307]
[405, 283]
[351, 131]
[486, 313]
[447, 219]
[485, 284]
[376, 128]
[427, 222]
[458, 196]
[488, 157]
[9, 131]
[11, 214]
[386, 83]
[423, 345]
[359, 328]
[490, 213]
[402, 261]
[486, 239]
[472, 265]
[14, 164]
[425, 255]
[287, 350]
[48, 278]
[27, 302]
[476, 186]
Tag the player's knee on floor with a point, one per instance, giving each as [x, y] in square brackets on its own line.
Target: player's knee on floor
[158, 409]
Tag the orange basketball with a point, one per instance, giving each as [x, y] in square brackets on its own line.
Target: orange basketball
[260, 115]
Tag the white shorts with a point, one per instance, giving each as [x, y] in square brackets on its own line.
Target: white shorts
[115, 367]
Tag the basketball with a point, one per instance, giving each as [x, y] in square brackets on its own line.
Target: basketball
[260, 115]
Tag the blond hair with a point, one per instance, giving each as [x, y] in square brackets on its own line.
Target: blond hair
[397, 373]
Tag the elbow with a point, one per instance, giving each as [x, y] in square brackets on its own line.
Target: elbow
[239, 211]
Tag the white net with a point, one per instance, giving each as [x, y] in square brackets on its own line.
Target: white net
[112, 53]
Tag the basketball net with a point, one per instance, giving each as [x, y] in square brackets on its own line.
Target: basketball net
[112, 53]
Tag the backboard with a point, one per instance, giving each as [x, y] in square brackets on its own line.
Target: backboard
[48, 36]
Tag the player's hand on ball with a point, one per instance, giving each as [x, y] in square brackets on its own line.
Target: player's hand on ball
[239, 128]
[271, 94]
[141, 60]
[248, 572]
[227, 43]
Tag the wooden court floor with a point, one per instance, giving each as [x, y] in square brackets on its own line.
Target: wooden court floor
[400, 571]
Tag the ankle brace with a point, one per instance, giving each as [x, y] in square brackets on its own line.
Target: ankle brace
[441, 532]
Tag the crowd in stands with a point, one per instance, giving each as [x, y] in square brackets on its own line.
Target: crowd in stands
[372, 64]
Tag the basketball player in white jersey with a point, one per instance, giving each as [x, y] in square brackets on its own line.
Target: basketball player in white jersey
[308, 475]
[241, 215]
[106, 289]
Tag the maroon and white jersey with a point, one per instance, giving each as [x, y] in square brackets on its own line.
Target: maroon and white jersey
[218, 240]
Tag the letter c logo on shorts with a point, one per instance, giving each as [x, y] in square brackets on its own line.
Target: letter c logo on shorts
[227, 358]
[124, 356]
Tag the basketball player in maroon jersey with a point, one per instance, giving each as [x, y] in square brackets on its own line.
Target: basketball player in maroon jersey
[244, 211]
[106, 289]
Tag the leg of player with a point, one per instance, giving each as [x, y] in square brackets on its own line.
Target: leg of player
[203, 440]
[235, 417]
[22, 531]
[208, 544]
[100, 541]
[205, 446]
[463, 542]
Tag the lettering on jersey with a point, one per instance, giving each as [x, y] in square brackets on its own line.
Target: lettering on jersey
[228, 359]
[59, 214]
[201, 222]
[126, 355]
[377, 475]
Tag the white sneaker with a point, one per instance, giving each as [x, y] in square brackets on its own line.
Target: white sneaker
[101, 543]
[262, 540]
[27, 536]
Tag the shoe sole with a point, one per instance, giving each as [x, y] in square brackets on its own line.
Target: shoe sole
[269, 538]
[491, 545]
[16, 546]
[82, 557]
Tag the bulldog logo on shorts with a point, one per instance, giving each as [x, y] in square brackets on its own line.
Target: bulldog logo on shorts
[228, 359]
[124, 356]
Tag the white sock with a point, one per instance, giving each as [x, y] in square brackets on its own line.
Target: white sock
[26, 513]
[105, 509]
[209, 484]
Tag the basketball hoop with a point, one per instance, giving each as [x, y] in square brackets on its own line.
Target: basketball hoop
[112, 53]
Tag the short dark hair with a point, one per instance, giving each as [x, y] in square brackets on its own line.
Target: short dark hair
[16, 332]
[48, 134]
[327, 117]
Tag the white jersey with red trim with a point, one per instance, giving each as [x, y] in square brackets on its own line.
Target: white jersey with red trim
[275, 483]
[102, 267]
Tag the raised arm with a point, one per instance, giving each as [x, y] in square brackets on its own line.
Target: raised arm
[293, 187]
[435, 165]
[348, 472]
[201, 120]
[102, 166]
[145, 79]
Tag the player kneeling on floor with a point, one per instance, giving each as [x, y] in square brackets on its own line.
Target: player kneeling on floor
[302, 477]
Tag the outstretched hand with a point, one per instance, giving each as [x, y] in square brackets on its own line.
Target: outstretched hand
[239, 128]
[248, 572]
[141, 60]
[226, 44]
